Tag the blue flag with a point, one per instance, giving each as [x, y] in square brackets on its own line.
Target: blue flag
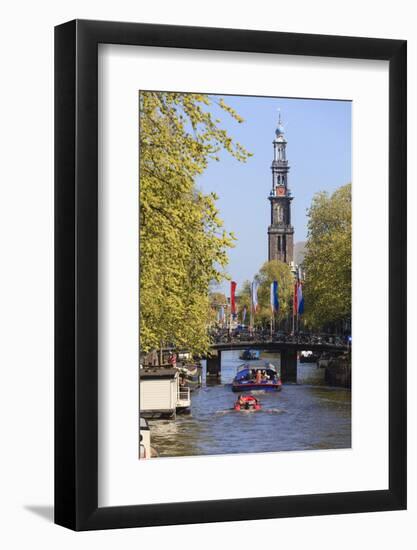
[243, 314]
[300, 298]
[274, 297]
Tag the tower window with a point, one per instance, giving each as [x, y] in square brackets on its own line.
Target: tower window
[279, 244]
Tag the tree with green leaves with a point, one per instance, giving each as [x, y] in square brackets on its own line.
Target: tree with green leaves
[183, 246]
[274, 270]
[328, 258]
[216, 300]
[243, 300]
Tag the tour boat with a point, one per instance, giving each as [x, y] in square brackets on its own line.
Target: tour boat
[247, 403]
[250, 355]
[265, 378]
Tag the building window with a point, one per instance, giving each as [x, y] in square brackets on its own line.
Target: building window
[279, 244]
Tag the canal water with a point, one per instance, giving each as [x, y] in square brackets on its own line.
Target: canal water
[306, 415]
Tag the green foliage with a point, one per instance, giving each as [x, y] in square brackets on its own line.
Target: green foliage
[328, 258]
[274, 270]
[216, 299]
[243, 300]
[183, 246]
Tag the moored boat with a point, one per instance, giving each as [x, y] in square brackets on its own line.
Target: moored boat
[323, 360]
[145, 448]
[264, 378]
[161, 393]
[308, 357]
[250, 355]
[191, 375]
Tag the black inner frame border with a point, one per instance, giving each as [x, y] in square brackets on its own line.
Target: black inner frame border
[76, 270]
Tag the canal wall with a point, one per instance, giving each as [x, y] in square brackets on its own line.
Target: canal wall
[288, 365]
[213, 365]
[339, 372]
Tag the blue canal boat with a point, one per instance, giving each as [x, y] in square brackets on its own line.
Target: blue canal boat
[264, 378]
[250, 355]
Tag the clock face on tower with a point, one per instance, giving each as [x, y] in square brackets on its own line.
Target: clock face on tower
[280, 191]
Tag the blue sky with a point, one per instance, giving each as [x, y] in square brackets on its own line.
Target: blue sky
[318, 133]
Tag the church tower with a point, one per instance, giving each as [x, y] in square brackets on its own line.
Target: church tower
[280, 232]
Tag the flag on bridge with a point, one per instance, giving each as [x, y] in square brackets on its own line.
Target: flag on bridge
[298, 307]
[243, 315]
[233, 297]
[254, 295]
[274, 297]
[295, 299]
[300, 298]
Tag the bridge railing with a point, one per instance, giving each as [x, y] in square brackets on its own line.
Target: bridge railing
[225, 337]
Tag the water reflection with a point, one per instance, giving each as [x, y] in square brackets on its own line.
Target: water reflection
[307, 415]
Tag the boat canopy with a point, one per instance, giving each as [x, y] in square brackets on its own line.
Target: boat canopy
[248, 371]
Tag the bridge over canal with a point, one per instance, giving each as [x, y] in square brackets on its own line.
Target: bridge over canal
[287, 348]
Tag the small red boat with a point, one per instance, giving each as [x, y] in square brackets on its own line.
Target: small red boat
[247, 403]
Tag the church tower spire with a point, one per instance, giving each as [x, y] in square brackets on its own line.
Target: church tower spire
[280, 232]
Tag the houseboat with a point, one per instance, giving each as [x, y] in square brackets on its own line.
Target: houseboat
[161, 393]
[145, 448]
[264, 378]
[144, 439]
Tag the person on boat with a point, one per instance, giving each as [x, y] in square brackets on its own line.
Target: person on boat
[258, 378]
[172, 359]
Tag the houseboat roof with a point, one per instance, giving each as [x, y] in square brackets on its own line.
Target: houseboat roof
[157, 373]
